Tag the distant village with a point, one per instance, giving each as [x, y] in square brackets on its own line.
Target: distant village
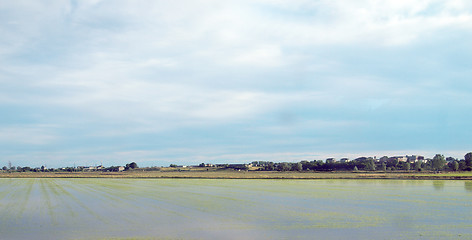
[385, 163]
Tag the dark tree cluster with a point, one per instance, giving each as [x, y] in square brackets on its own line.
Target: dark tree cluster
[131, 166]
[438, 163]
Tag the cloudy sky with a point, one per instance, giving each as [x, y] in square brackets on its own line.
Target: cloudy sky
[159, 82]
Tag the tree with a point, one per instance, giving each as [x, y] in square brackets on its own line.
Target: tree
[270, 166]
[468, 159]
[283, 167]
[384, 167]
[455, 166]
[407, 166]
[463, 166]
[438, 162]
[306, 165]
[297, 166]
[418, 166]
[370, 165]
[133, 165]
[355, 169]
[393, 163]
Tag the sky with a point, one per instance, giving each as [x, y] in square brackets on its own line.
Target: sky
[188, 81]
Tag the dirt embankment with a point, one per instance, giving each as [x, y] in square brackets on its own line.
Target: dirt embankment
[243, 175]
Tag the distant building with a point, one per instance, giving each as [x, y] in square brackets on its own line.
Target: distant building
[414, 158]
[91, 168]
[330, 160]
[399, 158]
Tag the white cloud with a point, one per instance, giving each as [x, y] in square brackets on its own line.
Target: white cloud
[30, 135]
[236, 22]
[263, 56]
[381, 23]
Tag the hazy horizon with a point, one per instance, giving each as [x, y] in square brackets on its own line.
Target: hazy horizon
[184, 82]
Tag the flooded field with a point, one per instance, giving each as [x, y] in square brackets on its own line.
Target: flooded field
[234, 209]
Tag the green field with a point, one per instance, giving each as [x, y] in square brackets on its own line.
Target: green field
[86, 208]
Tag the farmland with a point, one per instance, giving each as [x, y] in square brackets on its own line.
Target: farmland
[87, 208]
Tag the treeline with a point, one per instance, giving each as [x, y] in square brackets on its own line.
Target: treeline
[127, 167]
[438, 163]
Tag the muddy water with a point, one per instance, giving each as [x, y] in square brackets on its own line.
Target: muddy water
[234, 209]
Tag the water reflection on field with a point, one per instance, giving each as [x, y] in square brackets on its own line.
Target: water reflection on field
[234, 209]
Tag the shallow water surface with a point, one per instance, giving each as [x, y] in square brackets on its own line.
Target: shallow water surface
[234, 209]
